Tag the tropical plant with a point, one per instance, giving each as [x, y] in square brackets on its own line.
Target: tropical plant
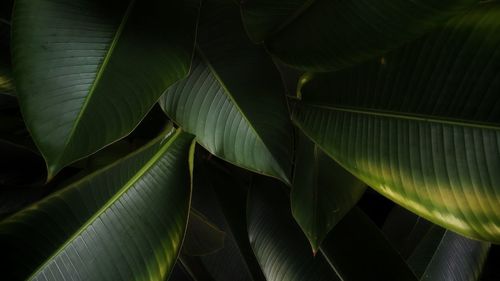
[299, 140]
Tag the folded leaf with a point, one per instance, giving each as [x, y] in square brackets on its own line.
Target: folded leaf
[326, 35]
[322, 193]
[87, 72]
[126, 221]
[233, 100]
[422, 128]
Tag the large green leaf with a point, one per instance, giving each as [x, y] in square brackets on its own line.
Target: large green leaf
[423, 127]
[325, 35]
[277, 241]
[124, 222]
[446, 256]
[322, 193]
[233, 99]
[359, 251]
[87, 71]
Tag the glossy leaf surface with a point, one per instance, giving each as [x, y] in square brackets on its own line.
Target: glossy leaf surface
[327, 35]
[277, 241]
[87, 72]
[125, 221]
[446, 256]
[421, 128]
[233, 99]
[322, 193]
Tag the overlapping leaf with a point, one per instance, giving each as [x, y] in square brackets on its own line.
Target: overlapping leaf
[359, 251]
[280, 247]
[220, 196]
[87, 72]
[325, 35]
[233, 99]
[322, 193]
[446, 256]
[422, 125]
[202, 236]
[124, 222]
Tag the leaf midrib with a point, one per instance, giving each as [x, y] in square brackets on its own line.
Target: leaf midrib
[407, 116]
[156, 157]
[250, 125]
[99, 75]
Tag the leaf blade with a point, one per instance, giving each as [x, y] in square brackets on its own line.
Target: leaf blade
[322, 192]
[236, 102]
[81, 80]
[423, 141]
[104, 210]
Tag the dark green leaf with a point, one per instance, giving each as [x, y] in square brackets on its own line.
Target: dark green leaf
[202, 236]
[263, 17]
[422, 127]
[277, 241]
[223, 200]
[233, 99]
[359, 251]
[326, 35]
[87, 72]
[446, 256]
[322, 193]
[405, 230]
[123, 222]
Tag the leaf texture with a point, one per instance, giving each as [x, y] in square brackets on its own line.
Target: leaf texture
[233, 99]
[322, 193]
[446, 256]
[123, 222]
[327, 35]
[280, 247]
[88, 71]
[421, 128]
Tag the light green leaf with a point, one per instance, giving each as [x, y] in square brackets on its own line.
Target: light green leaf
[87, 72]
[446, 256]
[279, 245]
[323, 192]
[233, 99]
[422, 128]
[124, 222]
[327, 35]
